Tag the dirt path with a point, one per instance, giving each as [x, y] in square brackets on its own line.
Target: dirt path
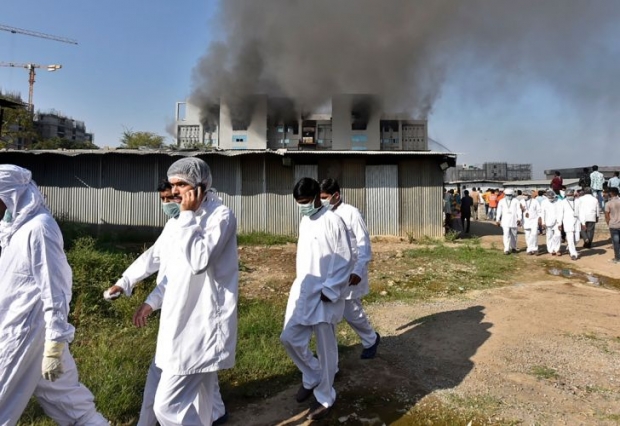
[544, 350]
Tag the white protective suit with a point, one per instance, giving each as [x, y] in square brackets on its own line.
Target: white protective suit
[198, 301]
[568, 211]
[532, 211]
[324, 264]
[35, 291]
[509, 214]
[144, 266]
[360, 246]
[551, 221]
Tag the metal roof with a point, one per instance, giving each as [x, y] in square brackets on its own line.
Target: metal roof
[227, 153]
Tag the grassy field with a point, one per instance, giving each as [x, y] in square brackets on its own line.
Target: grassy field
[113, 356]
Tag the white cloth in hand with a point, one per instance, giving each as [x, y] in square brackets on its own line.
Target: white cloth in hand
[51, 367]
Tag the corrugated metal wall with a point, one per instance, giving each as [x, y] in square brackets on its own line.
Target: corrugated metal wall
[119, 189]
[420, 194]
[382, 199]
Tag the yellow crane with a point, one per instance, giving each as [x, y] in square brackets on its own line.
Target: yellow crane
[14, 30]
[31, 69]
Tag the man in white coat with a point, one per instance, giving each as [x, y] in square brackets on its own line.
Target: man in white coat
[551, 222]
[316, 300]
[569, 219]
[358, 281]
[35, 291]
[143, 267]
[589, 211]
[532, 213]
[509, 216]
[197, 296]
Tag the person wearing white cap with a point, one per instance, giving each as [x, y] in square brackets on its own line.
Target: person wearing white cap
[509, 217]
[568, 210]
[197, 297]
[36, 282]
[551, 218]
[532, 213]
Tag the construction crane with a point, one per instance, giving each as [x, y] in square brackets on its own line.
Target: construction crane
[31, 68]
[14, 30]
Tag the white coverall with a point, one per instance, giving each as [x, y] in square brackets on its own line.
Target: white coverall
[551, 221]
[509, 215]
[569, 218]
[324, 265]
[360, 246]
[35, 291]
[198, 324]
[144, 266]
[532, 211]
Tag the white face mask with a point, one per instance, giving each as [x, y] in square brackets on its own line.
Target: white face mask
[327, 203]
[562, 193]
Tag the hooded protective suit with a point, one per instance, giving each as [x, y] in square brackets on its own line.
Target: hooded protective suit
[35, 291]
[509, 215]
[532, 211]
[551, 218]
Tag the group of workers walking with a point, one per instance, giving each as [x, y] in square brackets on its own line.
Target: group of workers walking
[196, 262]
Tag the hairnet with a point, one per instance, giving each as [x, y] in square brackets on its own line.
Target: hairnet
[550, 194]
[191, 170]
[20, 195]
[570, 192]
[509, 192]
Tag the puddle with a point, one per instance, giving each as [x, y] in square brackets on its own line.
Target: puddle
[589, 278]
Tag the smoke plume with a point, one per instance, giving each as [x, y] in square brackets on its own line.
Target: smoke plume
[404, 50]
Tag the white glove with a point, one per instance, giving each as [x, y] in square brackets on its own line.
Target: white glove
[113, 292]
[51, 367]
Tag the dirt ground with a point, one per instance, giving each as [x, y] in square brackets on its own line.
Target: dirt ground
[544, 350]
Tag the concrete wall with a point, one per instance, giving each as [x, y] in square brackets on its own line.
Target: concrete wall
[343, 137]
[254, 137]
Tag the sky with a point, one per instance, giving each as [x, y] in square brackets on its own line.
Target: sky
[135, 60]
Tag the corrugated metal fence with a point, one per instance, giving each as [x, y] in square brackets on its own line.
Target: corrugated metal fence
[118, 190]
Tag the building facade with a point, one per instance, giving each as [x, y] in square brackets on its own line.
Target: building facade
[53, 125]
[490, 171]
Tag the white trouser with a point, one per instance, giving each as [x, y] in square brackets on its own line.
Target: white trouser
[147, 414]
[185, 400]
[65, 400]
[571, 238]
[554, 239]
[317, 373]
[510, 238]
[531, 239]
[356, 317]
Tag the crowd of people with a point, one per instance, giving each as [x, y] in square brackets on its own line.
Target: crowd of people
[562, 215]
[196, 262]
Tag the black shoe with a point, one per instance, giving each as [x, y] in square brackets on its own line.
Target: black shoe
[318, 411]
[303, 394]
[370, 352]
[221, 420]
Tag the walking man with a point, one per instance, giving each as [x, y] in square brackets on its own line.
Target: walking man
[509, 215]
[596, 181]
[584, 179]
[197, 297]
[551, 222]
[569, 219]
[317, 298]
[36, 283]
[612, 217]
[614, 182]
[588, 216]
[475, 196]
[358, 281]
[532, 213]
[493, 200]
[467, 203]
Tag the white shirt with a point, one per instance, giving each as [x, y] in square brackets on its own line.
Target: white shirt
[596, 180]
[324, 265]
[569, 211]
[509, 212]
[589, 208]
[532, 211]
[614, 182]
[198, 324]
[360, 246]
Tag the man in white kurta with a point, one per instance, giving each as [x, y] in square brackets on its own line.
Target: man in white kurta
[316, 300]
[358, 281]
[35, 291]
[143, 267]
[197, 297]
[509, 216]
[532, 212]
[569, 219]
[589, 211]
[551, 222]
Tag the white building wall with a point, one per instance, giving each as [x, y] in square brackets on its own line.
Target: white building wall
[254, 137]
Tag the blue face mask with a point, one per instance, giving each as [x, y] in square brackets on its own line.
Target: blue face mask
[308, 209]
[8, 217]
[172, 210]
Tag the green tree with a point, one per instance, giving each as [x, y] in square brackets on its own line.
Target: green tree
[56, 143]
[135, 140]
[17, 125]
